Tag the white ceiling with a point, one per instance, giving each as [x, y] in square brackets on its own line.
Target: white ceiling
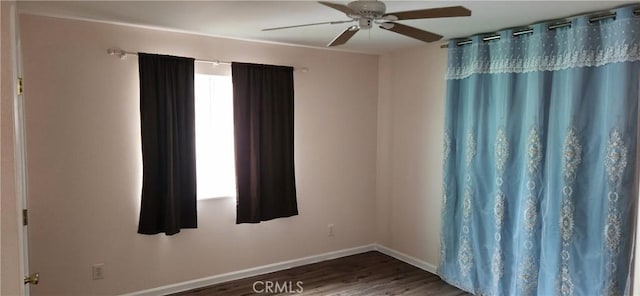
[245, 19]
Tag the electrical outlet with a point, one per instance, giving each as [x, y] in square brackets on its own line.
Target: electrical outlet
[98, 271]
[330, 230]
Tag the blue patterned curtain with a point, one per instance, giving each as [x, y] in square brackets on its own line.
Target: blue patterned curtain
[539, 158]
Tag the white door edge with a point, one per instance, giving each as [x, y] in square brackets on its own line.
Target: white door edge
[19, 148]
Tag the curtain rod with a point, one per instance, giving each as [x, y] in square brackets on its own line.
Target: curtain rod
[527, 30]
[118, 52]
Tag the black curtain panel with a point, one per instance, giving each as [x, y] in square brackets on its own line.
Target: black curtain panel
[263, 127]
[168, 144]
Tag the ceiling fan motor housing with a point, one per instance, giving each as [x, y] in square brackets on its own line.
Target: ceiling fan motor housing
[367, 9]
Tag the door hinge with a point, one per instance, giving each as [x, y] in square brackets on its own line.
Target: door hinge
[25, 219]
[20, 86]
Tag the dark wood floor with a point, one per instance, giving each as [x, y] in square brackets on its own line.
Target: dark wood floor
[371, 273]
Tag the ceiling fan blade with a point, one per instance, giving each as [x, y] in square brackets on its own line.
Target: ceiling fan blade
[412, 32]
[345, 9]
[306, 25]
[344, 36]
[431, 13]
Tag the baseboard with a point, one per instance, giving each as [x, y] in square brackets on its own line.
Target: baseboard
[406, 258]
[236, 275]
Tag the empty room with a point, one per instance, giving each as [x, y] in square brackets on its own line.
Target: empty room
[319, 147]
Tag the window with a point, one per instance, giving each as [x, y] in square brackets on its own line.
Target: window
[215, 161]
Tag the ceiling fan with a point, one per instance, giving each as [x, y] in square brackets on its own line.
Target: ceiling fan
[368, 12]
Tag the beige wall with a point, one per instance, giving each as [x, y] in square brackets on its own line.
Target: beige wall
[84, 162]
[9, 239]
[410, 129]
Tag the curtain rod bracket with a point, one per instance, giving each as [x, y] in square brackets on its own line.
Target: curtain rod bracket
[114, 51]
